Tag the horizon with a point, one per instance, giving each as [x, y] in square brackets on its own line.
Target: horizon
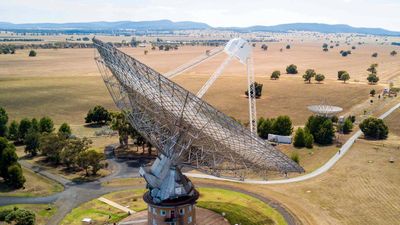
[135, 21]
[369, 14]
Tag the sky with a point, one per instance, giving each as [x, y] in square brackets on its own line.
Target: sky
[217, 13]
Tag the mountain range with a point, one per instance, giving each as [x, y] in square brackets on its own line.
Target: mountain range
[168, 25]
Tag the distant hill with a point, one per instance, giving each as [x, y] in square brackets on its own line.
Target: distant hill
[167, 25]
[316, 27]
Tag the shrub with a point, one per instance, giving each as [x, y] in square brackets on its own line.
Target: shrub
[275, 75]
[373, 78]
[299, 138]
[258, 89]
[21, 217]
[32, 53]
[310, 73]
[15, 177]
[264, 127]
[374, 128]
[295, 157]
[98, 115]
[321, 129]
[375, 54]
[308, 139]
[291, 69]
[282, 126]
[393, 53]
[287, 46]
[319, 77]
[65, 129]
[347, 126]
[372, 92]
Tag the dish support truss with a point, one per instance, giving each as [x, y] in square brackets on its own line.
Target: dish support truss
[186, 130]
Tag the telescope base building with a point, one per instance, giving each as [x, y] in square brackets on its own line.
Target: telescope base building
[181, 211]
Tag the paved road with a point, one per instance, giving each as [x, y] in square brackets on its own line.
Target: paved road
[315, 173]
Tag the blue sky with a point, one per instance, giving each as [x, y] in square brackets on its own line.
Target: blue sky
[360, 13]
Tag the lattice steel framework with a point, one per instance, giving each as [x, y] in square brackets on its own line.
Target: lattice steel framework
[183, 127]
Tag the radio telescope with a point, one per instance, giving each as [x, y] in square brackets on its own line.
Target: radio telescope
[186, 130]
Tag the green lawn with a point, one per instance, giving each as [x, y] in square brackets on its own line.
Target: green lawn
[35, 185]
[43, 212]
[238, 208]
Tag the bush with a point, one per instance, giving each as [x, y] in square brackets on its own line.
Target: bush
[282, 126]
[46, 125]
[308, 139]
[295, 157]
[372, 92]
[347, 126]
[310, 73]
[98, 115]
[4, 213]
[393, 53]
[275, 75]
[291, 69]
[287, 46]
[15, 177]
[3, 122]
[373, 78]
[258, 89]
[21, 217]
[321, 129]
[65, 129]
[32, 53]
[374, 128]
[299, 138]
[375, 54]
[319, 77]
[264, 127]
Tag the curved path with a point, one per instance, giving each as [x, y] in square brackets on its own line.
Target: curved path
[315, 173]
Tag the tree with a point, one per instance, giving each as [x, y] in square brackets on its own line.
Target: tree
[264, 127]
[3, 122]
[287, 46]
[91, 159]
[344, 77]
[282, 126]
[13, 131]
[65, 129]
[15, 177]
[299, 138]
[373, 68]
[51, 145]
[32, 53]
[8, 157]
[35, 125]
[393, 53]
[32, 142]
[24, 126]
[310, 73]
[264, 47]
[347, 126]
[340, 73]
[46, 125]
[71, 151]
[308, 139]
[321, 129]
[275, 75]
[258, 89]
[372, 92]
[319, 77]
[291, 69]
[98, 115]
[20, 217]
[374, 128]
[375, 54]
[373, 78]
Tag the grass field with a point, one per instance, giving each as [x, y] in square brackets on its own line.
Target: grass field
[34, 186]
[43, 212]
[239, 208]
